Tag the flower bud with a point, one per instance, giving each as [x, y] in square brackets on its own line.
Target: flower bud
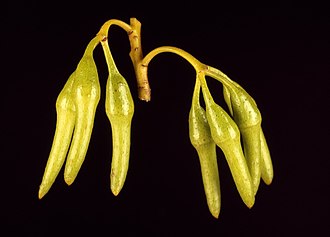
[86, 95]
[120, 109]
[248, 119]
[66, 114]
[201, 139]
[226, 135]
[267, 172]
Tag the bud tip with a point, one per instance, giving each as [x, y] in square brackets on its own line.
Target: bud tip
[115, 191]
[215, 213]
[41, 193]
[68, 179]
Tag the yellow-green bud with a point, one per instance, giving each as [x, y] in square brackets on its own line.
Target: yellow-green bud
[248, 119]
[66, 114]
[201, 139]
[120, 109]
[226, 135]
[267, 172]
[75, 107]
[86, 95]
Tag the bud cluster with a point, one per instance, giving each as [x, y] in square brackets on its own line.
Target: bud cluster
[249, 160]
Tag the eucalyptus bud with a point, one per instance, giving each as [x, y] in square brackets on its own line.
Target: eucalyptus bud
[226, 135]
[86, 95]
[120, 109]
[267, 172]
[65, 110]
[201, 139]
[75, 107]
[248, 119]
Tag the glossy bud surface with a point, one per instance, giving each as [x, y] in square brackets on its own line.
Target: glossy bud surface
[119, 107]
[201, 139]
[226, 135]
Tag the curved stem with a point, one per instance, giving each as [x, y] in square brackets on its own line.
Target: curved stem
[134, 34]
[218, 75]
[191, 59]
[91, 45]
[205, 89]
[108, 57]
[142, 66]
[103, 33]
[102, 36]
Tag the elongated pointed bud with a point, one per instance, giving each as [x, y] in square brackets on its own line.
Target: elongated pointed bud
[248, 119]
[267, 172]
[120, 109]
[66, 114]
[226, 135]
[201, 139]
[86, 95]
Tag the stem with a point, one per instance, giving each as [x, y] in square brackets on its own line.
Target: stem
[205, 89]
[91, 45]
[218, 75]
[103, 33]
[108, 56]
[134, 35]
[197, 90]
[102, 36]
[141, 69]
[144, 91]
[191, 59]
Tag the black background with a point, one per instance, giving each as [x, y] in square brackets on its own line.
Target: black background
[278, 53]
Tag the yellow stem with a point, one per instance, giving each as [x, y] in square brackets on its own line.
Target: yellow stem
[134, 34]
[91, 45]
[103, 33]
[103, 37]
[199, 67]
[136, 55]
[108, 56]
[142, 67]
[218, 75]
